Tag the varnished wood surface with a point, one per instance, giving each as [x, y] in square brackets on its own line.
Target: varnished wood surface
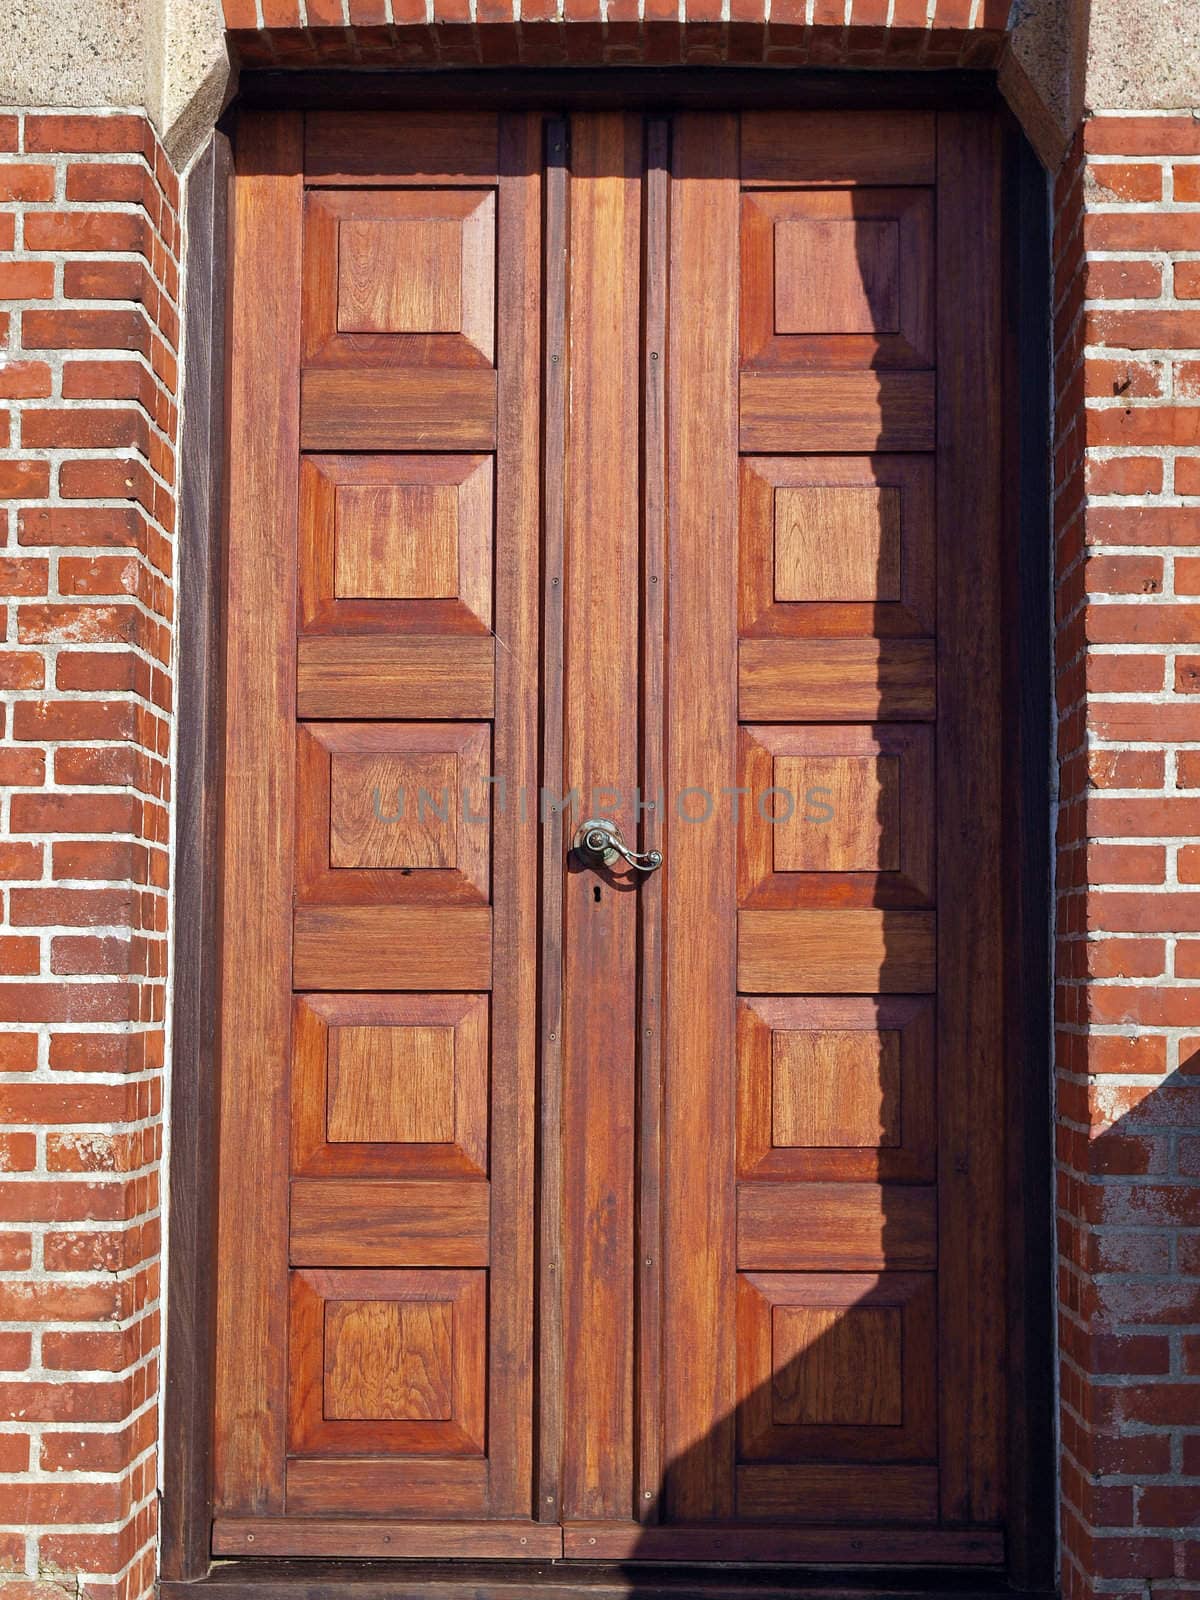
[553, 847]
[393, 947]
[797, 411]
[863, 951]
[838, 147]
[369, 1223]
[511, 1373]
[971, 889]
[835, 1227]
[836, 680]
[600, 710]
[258, 818]
[701, 714]
[418, 408]
[373, 1540]
[422, 149]
[430, 675]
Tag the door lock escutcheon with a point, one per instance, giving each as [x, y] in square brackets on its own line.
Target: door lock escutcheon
[599, 842]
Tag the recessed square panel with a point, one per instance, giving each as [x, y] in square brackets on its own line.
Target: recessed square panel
[836, 1366]
[835, 815]
[845, 813]
[390, 1085]
[396, 544]
[836, 547]
[388, 1360]
[399, 276]
[393, 811]
[395, 541]
[397, 810]
[837, 275]
[837, 280]
[835, 1088]
[837, 543]
[401, 1358]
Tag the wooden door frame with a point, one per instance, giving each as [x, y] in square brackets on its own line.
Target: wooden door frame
[188, 1374]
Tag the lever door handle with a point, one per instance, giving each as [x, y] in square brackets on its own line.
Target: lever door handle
[599, 842]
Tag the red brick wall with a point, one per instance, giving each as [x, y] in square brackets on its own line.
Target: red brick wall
[1127, 528]
[88, 336]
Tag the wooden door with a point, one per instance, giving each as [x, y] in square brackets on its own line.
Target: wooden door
[643, 468]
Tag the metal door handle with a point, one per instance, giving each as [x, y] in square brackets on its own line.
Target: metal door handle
[599, 842]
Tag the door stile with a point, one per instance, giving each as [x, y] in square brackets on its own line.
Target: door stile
[653, 822]
[601, 754]
[257, 843]
[971, 1154]
[515, 757]
[701, 719]
[549, 822]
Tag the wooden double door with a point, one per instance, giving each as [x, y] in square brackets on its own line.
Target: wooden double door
[644, 470]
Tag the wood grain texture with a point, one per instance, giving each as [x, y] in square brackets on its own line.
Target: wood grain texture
[827, 951]
[829, 411]
[601, 754]
[324, 1115]
[900, 1145]
[836, 680]
[887, 1547]
[651, 898]
[550, 1419]
[448, 1488]
[396, 1540]
[701, 713]
[849, 1494]
[391, 1085]
[971, 887]
[514, 883]
[259, 775]
[835, 1227]
[372, 1223]
[398, 408]
[837, 547]
[430, 675]
[835, 1087]
[422, 148]
[392, 947]
[402, 276]
[837, 544]
[838, 147]
[186, 1444]
[837, 1367]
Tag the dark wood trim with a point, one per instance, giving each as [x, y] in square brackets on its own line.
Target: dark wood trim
[384, 1580]
[1029, 588]
[187, 1426]
[627, 88]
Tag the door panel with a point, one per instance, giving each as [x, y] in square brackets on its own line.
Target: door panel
[643, 469]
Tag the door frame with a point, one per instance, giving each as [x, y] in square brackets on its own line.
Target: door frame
[1028, 609]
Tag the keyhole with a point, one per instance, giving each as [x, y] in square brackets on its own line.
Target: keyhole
[596, 893]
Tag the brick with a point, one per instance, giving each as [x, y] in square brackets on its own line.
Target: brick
[1129, 181]
[112, 428]
[24, 380]
[21, 670]
[74, 719]
[24, 480]
[85, 330]
[1187, 280]
[1142, 136]
[20, 769]
[26, 280]
[67, 908]
[18, 1052]
[85, 135]
[19, 957]
[1127, 475]
[25, 180]
[85, 231]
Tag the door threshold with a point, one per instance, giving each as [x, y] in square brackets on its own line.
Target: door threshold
[576, 1580]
